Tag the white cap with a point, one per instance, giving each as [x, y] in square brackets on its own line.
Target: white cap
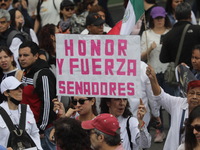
[10, 83]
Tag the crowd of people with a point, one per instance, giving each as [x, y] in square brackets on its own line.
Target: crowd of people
[28, 31]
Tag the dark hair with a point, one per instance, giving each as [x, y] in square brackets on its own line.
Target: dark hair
[190, 139]
[151, 1]
[105, 109]
[168, 7]
[32, 45]
[183, 11]
[110, 139]
[96, 9]
[167, 22]
[9, 53]
[83, 6]
[45, 40]
[69, 135]
[196, 47]
[12, 17]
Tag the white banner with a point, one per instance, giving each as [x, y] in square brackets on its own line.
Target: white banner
[98, 65]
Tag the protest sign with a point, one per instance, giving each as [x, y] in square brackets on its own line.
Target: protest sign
[98, 65]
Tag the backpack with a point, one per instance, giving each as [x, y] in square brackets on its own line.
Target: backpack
[23, 36]
[18, 139]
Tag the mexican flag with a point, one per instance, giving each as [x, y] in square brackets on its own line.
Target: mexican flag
[133, 12]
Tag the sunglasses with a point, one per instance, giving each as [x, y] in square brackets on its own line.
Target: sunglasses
[69, 8]
[81, 101]
[196, 127]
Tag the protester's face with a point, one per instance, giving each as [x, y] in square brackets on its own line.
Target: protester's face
[5, 4]
[84, 108]
[95, 29]
[6, 61]
[195, 59]
[16, 93]
[193, 97]
[4, 24]
[19, 19]
[159, 22]
[196, 123]
[175, 3]
[102, 15]
[117, 106]
[68, 11]
[95, 144]
[26, 58]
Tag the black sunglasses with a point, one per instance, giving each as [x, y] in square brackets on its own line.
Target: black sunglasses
[196, 127]
[69, 8]
[81, 101]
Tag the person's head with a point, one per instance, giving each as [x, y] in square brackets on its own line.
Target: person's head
[193, 94]
[69, 135]
[85, 5]
[94, 23]
[4, 20]
[115, 106]
[158, 18]
[47, 38]
[28, 54]
[99, 10]
[85, 105]
[192, 130]
[67, 9]
[195, 59]
[5, 4]
[171, 5]
[183, 11]
[104, 129]
[12, 89]
[7, 62]
[17, 19]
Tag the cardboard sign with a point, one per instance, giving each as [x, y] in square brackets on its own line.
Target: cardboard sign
[98, 65]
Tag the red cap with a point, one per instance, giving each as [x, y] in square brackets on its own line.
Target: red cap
[193, 84]
[106, 123]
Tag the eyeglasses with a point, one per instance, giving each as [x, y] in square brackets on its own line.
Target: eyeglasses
[3, 22]
[196, 127]
[81, 101]
[69, 8]
[3, 0]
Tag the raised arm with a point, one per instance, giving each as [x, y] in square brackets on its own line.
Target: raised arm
[154, 82]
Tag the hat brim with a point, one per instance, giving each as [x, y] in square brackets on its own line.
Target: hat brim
[87, 125]
[99, 22]
[159, 15]
[17, 85]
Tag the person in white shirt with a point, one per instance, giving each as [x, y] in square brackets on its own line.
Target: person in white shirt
[12, 89]
[177, 107]
[139, 137]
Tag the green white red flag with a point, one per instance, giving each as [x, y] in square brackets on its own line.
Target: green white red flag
[133, 13]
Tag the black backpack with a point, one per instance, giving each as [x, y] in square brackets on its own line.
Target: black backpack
[18, 139]
[23, 36]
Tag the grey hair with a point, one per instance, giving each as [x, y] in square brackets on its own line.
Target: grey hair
[109, 139]
[4, 14]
